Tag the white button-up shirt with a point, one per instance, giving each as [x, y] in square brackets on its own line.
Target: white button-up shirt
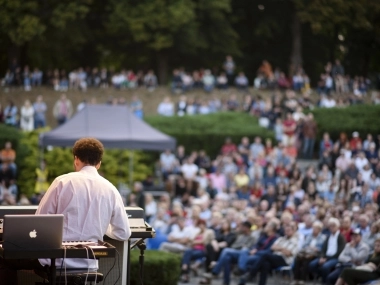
[92, 207]
[332, 244]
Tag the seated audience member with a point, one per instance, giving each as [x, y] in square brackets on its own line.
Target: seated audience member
[179, 237]
[198, 248]
[331, 249]
[168, 163]
[8, 156]
[249, 256]
[354, 253]
[6, 174]
[224, 238]
[310, 249]
[230, 255]
[346, 229]
[374, 234]
[364, 273]
[283, 252]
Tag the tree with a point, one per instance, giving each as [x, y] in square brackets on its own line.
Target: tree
[23, 21]
[341, 19]
[173, 27]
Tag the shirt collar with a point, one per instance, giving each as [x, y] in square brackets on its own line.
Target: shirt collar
[89, 169]
[336, 234]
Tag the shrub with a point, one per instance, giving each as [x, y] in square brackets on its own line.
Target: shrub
[159, 268]
[362, 118]
[208, 132]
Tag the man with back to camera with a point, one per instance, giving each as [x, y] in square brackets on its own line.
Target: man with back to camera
[91, 205]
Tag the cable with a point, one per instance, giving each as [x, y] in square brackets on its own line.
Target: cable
[88, 266]
[60, 269]
[94, 258]
[118, 267]
[113, 265]
[64, 257]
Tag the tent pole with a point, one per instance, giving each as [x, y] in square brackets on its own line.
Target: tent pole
[131, 153]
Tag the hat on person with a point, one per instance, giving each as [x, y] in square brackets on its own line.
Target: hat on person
[356, 232]
[355, 134]
[247, 224]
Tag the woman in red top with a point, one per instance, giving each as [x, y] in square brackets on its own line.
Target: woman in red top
[346, 229]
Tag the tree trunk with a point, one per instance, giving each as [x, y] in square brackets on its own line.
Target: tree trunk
[162, 66]
[296, 55]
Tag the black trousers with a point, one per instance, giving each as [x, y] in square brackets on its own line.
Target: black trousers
[9, 267]
[300, 269]
[211, 255]
[354, 276]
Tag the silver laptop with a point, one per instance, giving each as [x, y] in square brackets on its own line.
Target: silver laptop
[32, 232]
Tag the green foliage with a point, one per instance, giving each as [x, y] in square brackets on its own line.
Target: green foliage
[151, 22]
[362, 118]
[115, 164]
[25, 20]
[11, 134]
[161, 267]
[208, 132]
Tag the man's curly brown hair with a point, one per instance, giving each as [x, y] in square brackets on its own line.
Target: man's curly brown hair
[88, 150]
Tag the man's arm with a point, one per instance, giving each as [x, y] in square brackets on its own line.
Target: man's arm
[49, 202]
[119, 228]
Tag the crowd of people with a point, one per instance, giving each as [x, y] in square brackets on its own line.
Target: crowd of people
[32, 116]
[253, 209]
[77, 79]
[333, 79]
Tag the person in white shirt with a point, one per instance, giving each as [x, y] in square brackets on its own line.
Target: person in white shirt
[91, 205]
[331, 249]
[179, 238]
[166, 108]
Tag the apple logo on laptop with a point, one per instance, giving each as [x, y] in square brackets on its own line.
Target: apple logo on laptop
[33, 234]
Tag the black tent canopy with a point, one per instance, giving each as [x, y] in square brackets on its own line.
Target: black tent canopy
[114, 126]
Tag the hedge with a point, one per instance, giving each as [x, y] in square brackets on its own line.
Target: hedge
[361, 118]
[209, 132]
[159, 268]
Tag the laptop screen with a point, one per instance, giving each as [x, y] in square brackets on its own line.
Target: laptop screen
[31, 232]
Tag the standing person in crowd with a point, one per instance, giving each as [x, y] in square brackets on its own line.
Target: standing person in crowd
[309, 131]
[166, 108]
[27, 117]
[10, 114]
[85, 199]
[39, 112]
[63, 110]
[229, 67]
[289, 130]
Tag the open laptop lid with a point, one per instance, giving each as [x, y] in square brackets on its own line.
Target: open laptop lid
[31, 232]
